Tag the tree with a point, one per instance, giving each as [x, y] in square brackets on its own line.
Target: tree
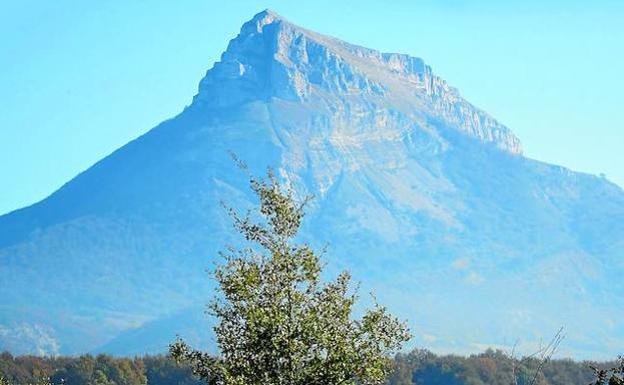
[278, 324]
[609, 376]
[101, 370]
[162, 370]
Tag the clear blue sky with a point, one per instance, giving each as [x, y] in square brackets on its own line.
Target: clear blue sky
[78, 79]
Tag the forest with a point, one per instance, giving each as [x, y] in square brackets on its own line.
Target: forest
[416, 367]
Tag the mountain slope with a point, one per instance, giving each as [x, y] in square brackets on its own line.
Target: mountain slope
[425, 198]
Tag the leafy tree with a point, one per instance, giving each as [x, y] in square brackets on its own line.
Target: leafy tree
[162, 370]
[79, 371]
[278, 323]
[101, 370]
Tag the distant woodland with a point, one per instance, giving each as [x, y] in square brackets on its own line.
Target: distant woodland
[417, 367]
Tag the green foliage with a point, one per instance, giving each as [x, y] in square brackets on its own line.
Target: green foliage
[101, 370]
[278, 323]
[162, 370]
[89, 370]
[419, 367]
[489, 368]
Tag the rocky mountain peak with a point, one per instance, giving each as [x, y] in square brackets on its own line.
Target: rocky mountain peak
[273, 58]
[261, 19]
[418, 193]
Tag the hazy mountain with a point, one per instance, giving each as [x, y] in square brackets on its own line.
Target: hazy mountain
[424, 197]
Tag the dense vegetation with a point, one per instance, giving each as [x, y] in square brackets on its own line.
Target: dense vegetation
[488, 368]
[94, 370]
[418, 367]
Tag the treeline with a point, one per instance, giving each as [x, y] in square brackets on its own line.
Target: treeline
[94, 370]
[418, 367]
[490, 368]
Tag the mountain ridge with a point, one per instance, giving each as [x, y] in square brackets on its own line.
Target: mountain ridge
[426, 199]
[302, 59]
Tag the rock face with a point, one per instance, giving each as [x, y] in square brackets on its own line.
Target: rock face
[272, 58]
[425, 198]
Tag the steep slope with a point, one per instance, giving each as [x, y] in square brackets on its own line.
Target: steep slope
[425, 198]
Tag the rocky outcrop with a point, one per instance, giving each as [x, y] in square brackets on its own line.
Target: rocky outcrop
[272, 58]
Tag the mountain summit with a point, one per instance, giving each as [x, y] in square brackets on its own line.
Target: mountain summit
[425, 198]
[272, 58]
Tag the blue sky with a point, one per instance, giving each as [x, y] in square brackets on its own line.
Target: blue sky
[79, 79]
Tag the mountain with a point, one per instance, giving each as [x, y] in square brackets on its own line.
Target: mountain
[425, 198]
